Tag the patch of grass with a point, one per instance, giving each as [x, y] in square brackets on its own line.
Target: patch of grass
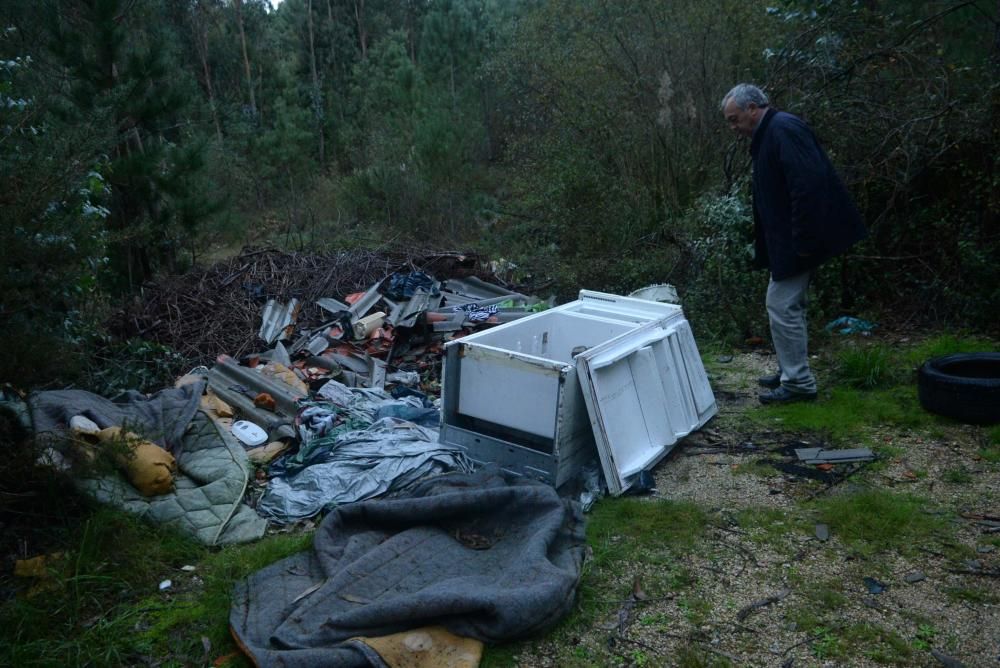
[205, 611]
[946, 345]
[692, 657]
[869, 367]
[639, 657]
[957, 476]
[923, 640]
[84, 615]
[695, 609]
[874, 520]
[104, 606]
[620, 527]
[827, 644]
[825, 596]
[502, 656]
[630, 531]
[623, 532]
[769, 525]
[990, 451]
[655, 619]
[845, 412]
[971, 595]
[881, 645]
[805, 617]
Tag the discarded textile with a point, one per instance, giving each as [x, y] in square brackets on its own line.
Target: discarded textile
[319, 425]
[207, 501]
[404, 286]
[339, 409]
[484, 556]
[162, 417]
[213, 470]
[849, 325]
[477, 312]
[410, 409]
[389, 456]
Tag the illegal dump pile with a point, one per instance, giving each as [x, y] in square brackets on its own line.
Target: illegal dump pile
[322, 371]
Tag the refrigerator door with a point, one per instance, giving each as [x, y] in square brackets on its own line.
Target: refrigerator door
[643, 391]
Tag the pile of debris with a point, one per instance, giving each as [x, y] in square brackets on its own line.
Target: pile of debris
[392, 333]
[330, 390]
[204, 313]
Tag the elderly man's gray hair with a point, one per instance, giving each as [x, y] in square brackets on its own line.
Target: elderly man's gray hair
[743, 94]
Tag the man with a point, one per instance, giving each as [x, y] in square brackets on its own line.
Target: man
[802, 215]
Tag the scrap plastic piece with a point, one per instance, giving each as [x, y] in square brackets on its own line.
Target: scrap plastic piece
[248, 433]
[822, 532]
[874, 586]
[661, 292]
[389, 456]
[850, 325]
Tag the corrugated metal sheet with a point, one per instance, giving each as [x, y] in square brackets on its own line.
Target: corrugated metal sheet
[278, 319]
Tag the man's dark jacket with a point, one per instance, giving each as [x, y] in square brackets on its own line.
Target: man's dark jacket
[803, 214]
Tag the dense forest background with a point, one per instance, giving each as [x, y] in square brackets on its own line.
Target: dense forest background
[577, 141]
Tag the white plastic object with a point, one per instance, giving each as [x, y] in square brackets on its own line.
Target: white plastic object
[248, 433]
[368, 324]
[80, 424]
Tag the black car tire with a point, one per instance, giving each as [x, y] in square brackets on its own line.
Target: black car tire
[963, 386]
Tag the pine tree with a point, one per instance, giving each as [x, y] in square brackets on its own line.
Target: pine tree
[118, 67]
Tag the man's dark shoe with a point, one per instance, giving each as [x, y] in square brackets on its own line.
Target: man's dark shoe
[782, 395]
[773, 381]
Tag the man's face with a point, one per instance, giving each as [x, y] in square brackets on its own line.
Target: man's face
[741, 121]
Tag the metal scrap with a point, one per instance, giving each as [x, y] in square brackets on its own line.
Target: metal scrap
[824, 456]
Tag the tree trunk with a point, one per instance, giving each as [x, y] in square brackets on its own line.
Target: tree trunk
[238, 5]
[317, 96]
[201, 41]
[359, 16]
[411, 38]
[333, 18]
[333, 32]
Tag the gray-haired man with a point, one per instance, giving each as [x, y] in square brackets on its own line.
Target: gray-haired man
[803, 215]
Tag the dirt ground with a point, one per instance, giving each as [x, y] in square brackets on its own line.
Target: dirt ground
[788, 598]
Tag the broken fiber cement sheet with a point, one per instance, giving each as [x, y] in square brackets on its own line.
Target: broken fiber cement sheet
[388, 456]
[486, 556]
[213, 469]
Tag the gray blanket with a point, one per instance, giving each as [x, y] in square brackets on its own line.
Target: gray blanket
[213, 469]
[484, 556]
[162, 417]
